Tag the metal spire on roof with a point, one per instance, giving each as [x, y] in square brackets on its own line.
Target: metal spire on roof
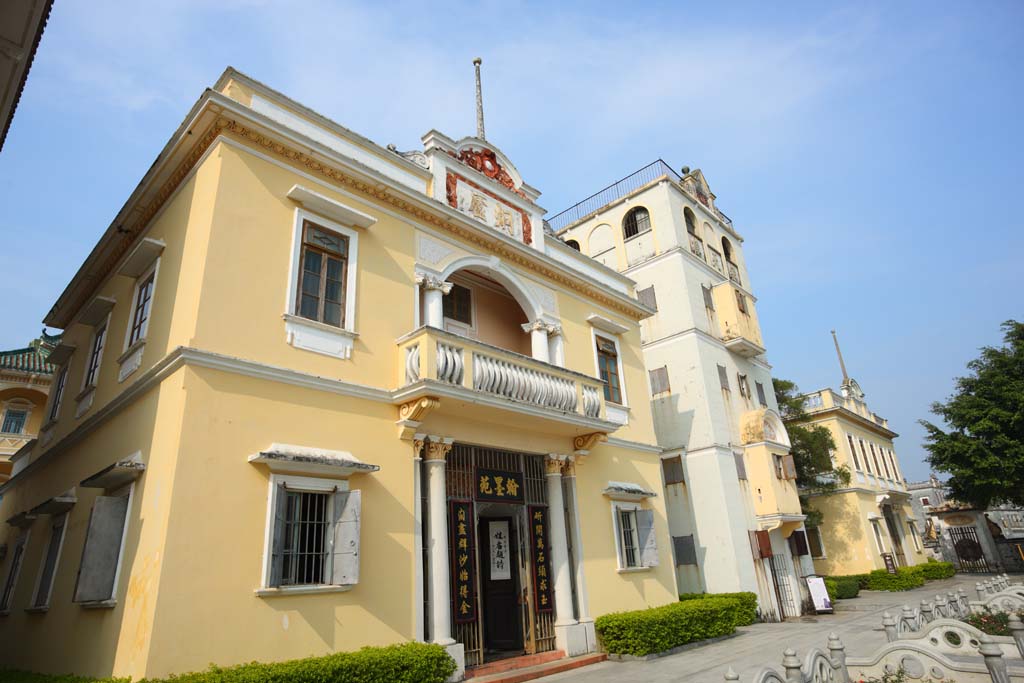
[479, 101]
[835, 339]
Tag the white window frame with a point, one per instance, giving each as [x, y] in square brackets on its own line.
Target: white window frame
[19, 405]
[33, 606]
[312, 335]
[295, 483]
[876, 529]
[617, 507]
[614, 339]
[821, 543]
[105, 328]
[913, 535]
[459, 327]
[16, 570]
[154, 270]
[57, 396]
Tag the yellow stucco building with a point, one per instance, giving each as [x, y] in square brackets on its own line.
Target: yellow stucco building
[26, 377]
[870, 520]
[324, 394]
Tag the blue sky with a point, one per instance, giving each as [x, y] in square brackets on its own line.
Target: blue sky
[868, 153]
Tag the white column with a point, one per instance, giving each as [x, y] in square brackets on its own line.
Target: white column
[556, 346]
[434, 289]
[538, 331]
[417, 489]
[558, 544]
[440, 572]
[582, 598]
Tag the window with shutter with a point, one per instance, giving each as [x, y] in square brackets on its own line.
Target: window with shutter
[743, 385]
[798, 543]
[17, 556]
[764, 543]
[102, 552]
[723, 377]
[741, 301]
[648, 542]
[741, 465]
[608, 368]
[814, 544]
[345, 542]
[686, 551]
[760, 395]
[789, 467]
[43, 590]
[629, 543]
[709, 302]
[672, 468]
[647, 297]
[659, 380]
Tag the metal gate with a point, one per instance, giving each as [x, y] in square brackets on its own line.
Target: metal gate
[783, 586]
[968, 550]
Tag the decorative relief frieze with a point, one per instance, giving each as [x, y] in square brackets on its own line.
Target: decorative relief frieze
[488, 208]
[431, 251]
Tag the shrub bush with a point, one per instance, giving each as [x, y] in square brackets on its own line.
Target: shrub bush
[846, 587]
[748, 603]
[904, 579]
[934, 570]
[657, 629]
[405, 663]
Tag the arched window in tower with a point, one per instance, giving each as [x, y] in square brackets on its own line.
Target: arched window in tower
[636, 222]
[573, 243]
[727, 249]
[691, 221]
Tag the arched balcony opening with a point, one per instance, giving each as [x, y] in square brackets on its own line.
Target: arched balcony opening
[481, 308]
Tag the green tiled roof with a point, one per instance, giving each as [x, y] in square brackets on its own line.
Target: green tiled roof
[31, 358]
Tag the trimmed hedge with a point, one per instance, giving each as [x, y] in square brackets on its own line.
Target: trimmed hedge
[832, 588]
[404, 663]
[657, 629]
[905, 578]
[934, 570]
[747, 599]
[846, 587]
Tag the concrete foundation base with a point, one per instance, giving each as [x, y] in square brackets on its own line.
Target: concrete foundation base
[457, 652]
[572, 639]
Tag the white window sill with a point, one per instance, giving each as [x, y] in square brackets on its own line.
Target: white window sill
[614, 412]
[38, 610]
[99, 604]
[318, 337]
[300, 590]
[632, 570]
[131, 359]
[84, 400]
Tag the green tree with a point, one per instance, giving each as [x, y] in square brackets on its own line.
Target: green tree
[811, 448]
[983, 449]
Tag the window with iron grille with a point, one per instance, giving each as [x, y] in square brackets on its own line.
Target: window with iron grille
[760, 394]
[608, 367]
[723, 377]
[458, 304]
[58, 393]
[304, 549]
[628, 543]
[659, 380]
[95, 355]
[636, 221]
[709, 302]
[741, 382]
[647, 298]
[323, 270]
[143, 304]
[14, 421]
[672, 468]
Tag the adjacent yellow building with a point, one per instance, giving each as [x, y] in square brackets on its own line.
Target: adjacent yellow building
[26, 376]
[871, 520]
[323, 394]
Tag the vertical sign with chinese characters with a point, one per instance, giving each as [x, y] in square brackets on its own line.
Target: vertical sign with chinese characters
[499, 486]
[541, 563]
[460, 526]
[501, 567]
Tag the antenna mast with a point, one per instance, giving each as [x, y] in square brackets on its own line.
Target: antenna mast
[479, 102]
[842, 365]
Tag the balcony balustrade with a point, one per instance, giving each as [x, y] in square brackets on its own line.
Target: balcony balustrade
[697, 247]
[433, 355]
[715, 259]
[10, 443]
[734, 273]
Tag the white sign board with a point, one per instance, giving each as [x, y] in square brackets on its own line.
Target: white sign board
[819, 594]
[501, 569]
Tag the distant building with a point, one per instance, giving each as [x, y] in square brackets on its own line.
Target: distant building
[25, 379]
[733, 507]
[870, 521]
[925, 496]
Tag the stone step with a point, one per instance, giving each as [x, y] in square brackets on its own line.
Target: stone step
[531, 672]
[510, 663]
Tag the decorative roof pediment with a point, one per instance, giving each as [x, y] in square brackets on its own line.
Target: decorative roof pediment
[488, 160]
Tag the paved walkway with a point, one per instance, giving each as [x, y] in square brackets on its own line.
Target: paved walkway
[858, 623]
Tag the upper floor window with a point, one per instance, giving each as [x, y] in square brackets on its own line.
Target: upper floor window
[691, 222]
[741, 302]
[853, 450]
[143, 303]
[727, 249]
[95, 355]
[58, 393]
[14, 421]
[573, 243]
[323, 270]
[636, 222]
[458, 305]
[925, 501]
[608, 366]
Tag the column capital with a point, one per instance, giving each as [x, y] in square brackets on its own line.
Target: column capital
[438, 447]
[554, 463]
[535, 326]
[554, 329]
[429, 282]
[569, 467]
